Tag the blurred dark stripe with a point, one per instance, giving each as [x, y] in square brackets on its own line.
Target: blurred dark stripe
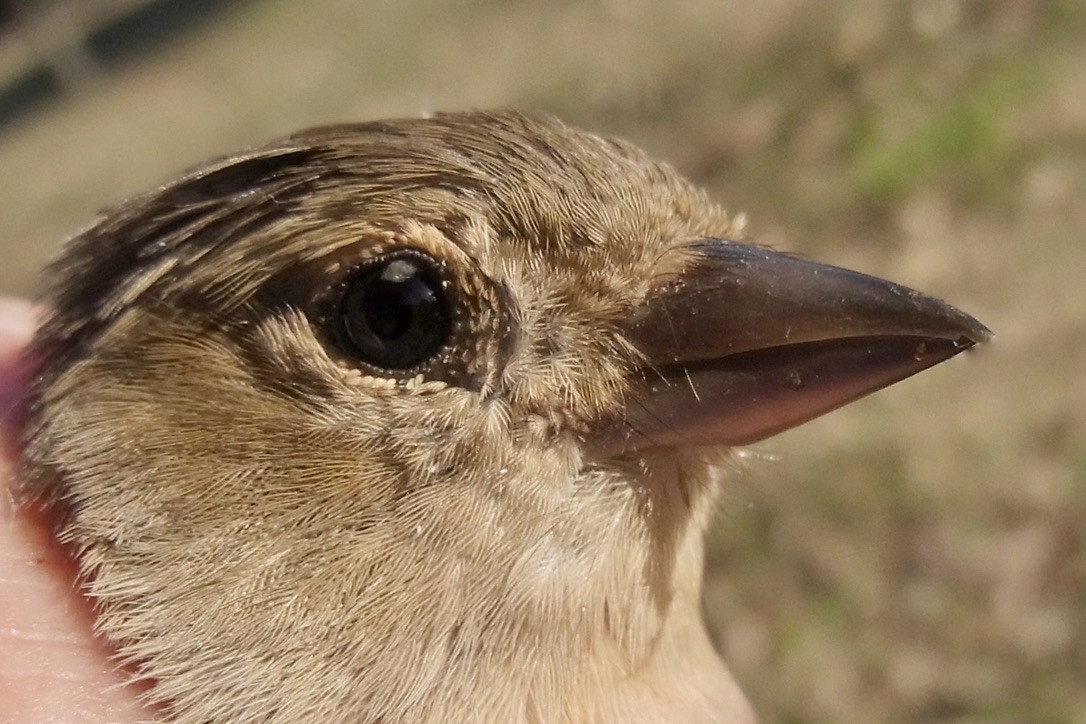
[123, 39]
[148, 26]
[27, 93]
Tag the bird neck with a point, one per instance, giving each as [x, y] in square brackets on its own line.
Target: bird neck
[562, 619]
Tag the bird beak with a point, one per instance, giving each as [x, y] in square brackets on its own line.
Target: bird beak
[746, 343]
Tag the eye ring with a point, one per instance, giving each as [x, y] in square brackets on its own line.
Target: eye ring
[395, 312]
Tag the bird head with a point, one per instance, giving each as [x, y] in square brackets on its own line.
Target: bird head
[423, 420]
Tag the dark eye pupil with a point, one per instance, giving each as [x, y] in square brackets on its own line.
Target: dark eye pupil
[394, 314]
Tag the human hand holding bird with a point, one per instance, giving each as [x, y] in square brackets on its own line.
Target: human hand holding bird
[424, 420]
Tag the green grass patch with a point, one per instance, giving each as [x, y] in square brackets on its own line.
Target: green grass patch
[962, 140]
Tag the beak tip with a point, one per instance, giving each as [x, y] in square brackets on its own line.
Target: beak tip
[971, 332]
[983, 334]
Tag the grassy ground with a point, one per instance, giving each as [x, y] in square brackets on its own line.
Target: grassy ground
[919, 556]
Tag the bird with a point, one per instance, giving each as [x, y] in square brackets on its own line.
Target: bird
[424, 420]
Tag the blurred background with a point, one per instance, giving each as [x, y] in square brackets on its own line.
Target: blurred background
[919, 556]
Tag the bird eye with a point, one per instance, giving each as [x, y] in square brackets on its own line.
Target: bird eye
[394, 313]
